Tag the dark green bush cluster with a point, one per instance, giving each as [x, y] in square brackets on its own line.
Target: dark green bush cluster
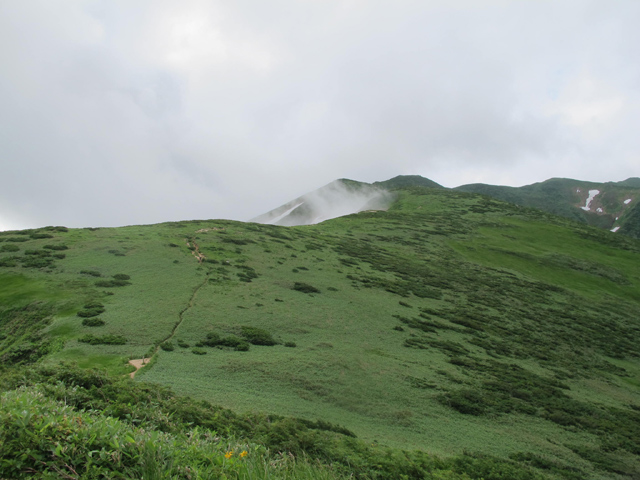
[9, 248]
[118, 280]
[198, 351]
[17, 239]
[167, 346]
[93, 322]
[183, 344]
[214, 340]
[103, 339]
[247, 274]
[257, 336]
[56, 247]
[92, 273]
[290, 344]
[91, 310]
[38, 236]
[305, 288]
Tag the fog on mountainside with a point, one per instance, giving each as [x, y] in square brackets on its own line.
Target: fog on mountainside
[339, 198]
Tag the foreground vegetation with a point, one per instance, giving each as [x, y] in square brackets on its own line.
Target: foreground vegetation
[63, 422]
[453, 336]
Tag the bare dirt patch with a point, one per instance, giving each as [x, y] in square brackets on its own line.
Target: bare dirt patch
[138, 364]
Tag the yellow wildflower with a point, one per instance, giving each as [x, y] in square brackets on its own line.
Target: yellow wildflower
[243, 454]
[228, 455]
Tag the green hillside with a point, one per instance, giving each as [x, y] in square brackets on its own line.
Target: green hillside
[501, 340]
[609, 208]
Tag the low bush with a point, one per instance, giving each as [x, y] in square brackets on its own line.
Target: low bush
[93, 322]
[167, 346]
[92, 273]
[290, 344]
[91, 312]
[38, 236]
[242, 347]
[112, 283]
[17, 239]
[183, 344]
[257, 336]
[103, 339]
[56, 247]
[9, 248]
[121, 276]
[198, 351]
[305, 288]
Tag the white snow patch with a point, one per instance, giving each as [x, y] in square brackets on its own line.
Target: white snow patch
[281, 216]
[617, 218]
[627, 201]
[599, 210]
[577, 190]
[615, 229]
[592, 195]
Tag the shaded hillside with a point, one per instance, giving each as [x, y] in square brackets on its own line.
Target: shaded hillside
[449, 323]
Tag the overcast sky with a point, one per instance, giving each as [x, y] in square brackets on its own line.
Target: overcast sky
[122, 112]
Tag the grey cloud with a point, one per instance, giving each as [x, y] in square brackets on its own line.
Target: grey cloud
[118, 113]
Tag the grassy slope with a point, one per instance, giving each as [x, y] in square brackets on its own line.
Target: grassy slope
[484, 293]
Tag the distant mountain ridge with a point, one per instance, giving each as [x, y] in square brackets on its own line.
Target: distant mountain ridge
[609, 205]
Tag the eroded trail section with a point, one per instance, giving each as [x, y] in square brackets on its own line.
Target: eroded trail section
[195, 250]
[138, 364]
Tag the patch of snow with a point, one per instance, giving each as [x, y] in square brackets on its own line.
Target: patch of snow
[281, 216]
[577, 190]
[592, 195]
[627, 201]
[615, 229]
[599, 210]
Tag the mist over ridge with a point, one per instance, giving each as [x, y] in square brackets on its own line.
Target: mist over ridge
[336, 199]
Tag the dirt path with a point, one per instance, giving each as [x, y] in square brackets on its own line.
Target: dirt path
[139, 363]
[196, 251]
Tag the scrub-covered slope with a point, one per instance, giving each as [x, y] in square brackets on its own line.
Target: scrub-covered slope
[450, 322]
[604, 205]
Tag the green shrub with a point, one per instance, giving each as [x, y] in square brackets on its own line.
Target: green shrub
[103, 339]
[112, 283]
[213, 339]
[121, 276]
[91, 312]
[231, 341]
[92, 273]
[183, 344]
[242, 347]
[198, 351]
[37, 236]
[17, 239]
[257, 336]
[56, 247]
[8, 262]
[93, 322]
[290, 344]
[305, 288]
[167, 346]
[9, 248]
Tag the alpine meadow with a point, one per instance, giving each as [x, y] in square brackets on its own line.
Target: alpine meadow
[434, 334]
